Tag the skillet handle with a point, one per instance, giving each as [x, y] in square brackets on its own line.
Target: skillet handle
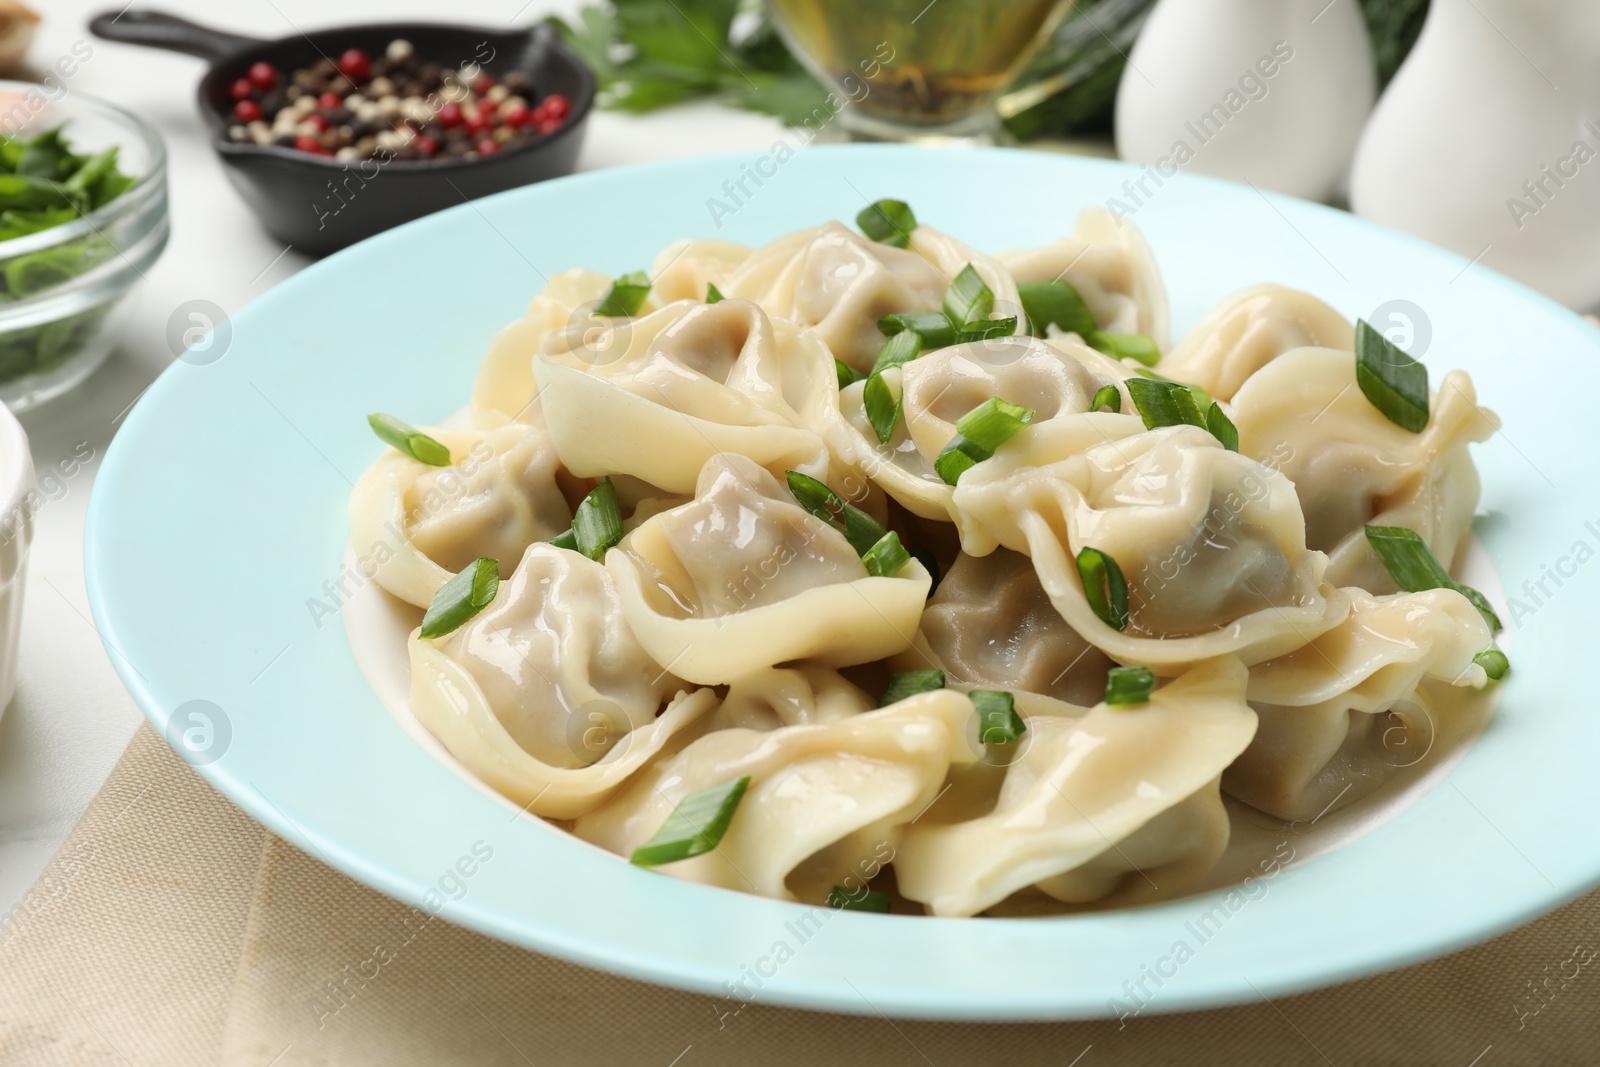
[154, 29]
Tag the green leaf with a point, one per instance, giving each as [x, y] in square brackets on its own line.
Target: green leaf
[625, 297]
[1396, 384]
[1493, 662]
[987, 328]
[1104, 587]
[695, 826]
[1164, 403]
[462, 597]
[902, 347]
[998, 721]
[978, 433]
[969, 298]
[1129, 685]
[597, 524]
[888, 222]
[1134, 346]
[905, 684]
[407, 439]
[46, 156]
[1222, 427]
[713, 294]
[1055, 303]
[887, 558]
[567, 538]
[1108, 397]
[846, 374]
[933, 328]
[859, 528]
[882, 407]
[862, 899]
[1414, 568]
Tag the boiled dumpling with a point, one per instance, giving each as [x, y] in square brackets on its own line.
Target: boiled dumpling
[420, 524]
[1305, 415]
[1108, 262]
[991, 626]
[685, 269]
[804, 694]
[1211, 543]
[656, 397]
[743, 578]
[1079, 811]
[1340, 716]
[1247, 331]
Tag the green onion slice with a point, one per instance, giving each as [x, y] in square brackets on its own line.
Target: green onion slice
[1108, 397]
[903, 347]
[888, 222]
[882, 407]
[1165, 403]
[1134, 346]
[862, 899]
[904, 684]
[1396, 384]
[934, 327]
[1413, 567]
[846, 374]
[407, 439]
[998, 721]
[462, 597]
[978, 433]
[1201, 397]
[1493, 662]
[1055, 303]
[887, 558]
[695, 826]
[597, 524]
[1129, 685]
[982, 331]
[859, 528]
[1104, 587]
[1222, 427]
[968, 299]
[625, 297]
[713, 294]
[567, 538]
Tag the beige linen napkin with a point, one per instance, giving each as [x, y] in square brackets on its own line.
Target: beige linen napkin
[170, 930]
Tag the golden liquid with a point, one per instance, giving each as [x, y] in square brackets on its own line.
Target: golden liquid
[912, 61]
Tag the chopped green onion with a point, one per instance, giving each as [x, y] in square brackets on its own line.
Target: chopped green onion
[695, 826]
[1134, 346]
[1494, 663]
[888, 222]
[713, 294]
[1396, 384]
[968, 299]
[859, 528]
[1222, 427]
[903, 347]
[863, 899]
[982, 331]
[1104, 587]
[887, 558]
[978, 433]
[625, 297]
[1413, 567]
[1201, 397]
[597, 524]
[1055, 303]
[1164, 403]
[998, 721]
[406, 438]
[846, 374]
[1129, 685]
[1108, 397]
[904, 684]
[882, 407]
[462, 597]
[567, 538]
[934, 327]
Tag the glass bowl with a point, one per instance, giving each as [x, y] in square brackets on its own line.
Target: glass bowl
[62, 290]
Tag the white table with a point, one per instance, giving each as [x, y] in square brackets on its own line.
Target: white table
[71, 716]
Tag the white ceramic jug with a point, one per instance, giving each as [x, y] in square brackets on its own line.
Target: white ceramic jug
[1273, 92]
[1488, 142]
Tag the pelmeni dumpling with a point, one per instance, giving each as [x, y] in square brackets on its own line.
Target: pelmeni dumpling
[1108, 262]
[825, 805]
[656, 397]
[1340, 716]
[505, 390]
[804, 694]
[1247, 331]
[419, 524]
[545, 695]
[1211, 543]
[685, 269]
[840, 284]
[1305, 415]
[743, 578]
[991, 626]
[940, 387]
[1079, 813]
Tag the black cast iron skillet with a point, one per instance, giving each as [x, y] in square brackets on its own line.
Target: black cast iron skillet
[319, 205]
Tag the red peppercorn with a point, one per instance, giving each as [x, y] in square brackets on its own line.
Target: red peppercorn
[310, 144]
[247, 111]
[450, 115]
[263, 75]
[240, 89]
[329, 101]
[483, 83]
[477, 121]
[516, 115]
[547, 125]
[425, 145]
[556, 106]
[317, 121]
[487, 147]
[354, 64]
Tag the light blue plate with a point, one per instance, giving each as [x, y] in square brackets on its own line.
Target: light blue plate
[220, 511]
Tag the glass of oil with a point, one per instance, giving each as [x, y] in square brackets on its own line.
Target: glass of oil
[915, 70]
